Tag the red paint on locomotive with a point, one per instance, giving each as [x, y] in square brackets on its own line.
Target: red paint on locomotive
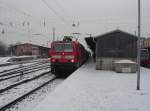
[67, 55]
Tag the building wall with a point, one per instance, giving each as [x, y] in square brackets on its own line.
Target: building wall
[35, 50]
[117, 45]
[147, 42]
[29, 49]
[24, 49]
[105, 63]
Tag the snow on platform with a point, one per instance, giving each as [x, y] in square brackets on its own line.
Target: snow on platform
[88, 89]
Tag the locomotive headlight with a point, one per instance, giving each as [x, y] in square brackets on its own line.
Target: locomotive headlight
[56, 56]
[69, 57]
[72, 60]
[53, 60]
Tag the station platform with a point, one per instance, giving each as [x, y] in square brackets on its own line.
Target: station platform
[88, 89]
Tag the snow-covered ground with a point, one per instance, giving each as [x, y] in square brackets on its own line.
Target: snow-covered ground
[31, 101]
[20, 78]
[88, 89]
[16, 92]
[5, 60]
[13, 66]
[35, 99]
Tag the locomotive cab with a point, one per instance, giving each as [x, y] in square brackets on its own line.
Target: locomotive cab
[64, 56]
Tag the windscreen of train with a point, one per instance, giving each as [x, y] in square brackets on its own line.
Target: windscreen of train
[63, 47]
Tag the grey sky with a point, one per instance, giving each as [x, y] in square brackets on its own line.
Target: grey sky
[92, 16]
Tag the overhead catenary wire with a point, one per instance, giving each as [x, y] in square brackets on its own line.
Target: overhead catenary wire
[23, 13]
[26, 17]
[11, 23]
[18, 27]
[61, 9]
[68, 27]
[72, 21]
[50, 8]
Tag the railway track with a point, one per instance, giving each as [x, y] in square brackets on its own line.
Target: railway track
[32, 75]
[20, 98]
[24, 73]
[22, 82]
[23, 69]
[19, 62]
[5, 72]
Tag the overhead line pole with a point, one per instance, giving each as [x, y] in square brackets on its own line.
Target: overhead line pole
[139, 44]
[53, 33]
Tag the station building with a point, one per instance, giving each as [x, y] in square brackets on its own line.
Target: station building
[112, 46]
[147, 42]
[30, 49]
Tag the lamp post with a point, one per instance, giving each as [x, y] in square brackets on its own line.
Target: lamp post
[139, 44]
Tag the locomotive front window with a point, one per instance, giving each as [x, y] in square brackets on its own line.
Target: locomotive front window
[58, 47]
[63, 47]
[68, 48]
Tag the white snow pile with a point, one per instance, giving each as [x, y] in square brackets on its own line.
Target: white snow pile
[125, 61]
[4, 60]
[88, 89]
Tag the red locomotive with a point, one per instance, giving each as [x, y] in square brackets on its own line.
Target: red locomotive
[66, 56]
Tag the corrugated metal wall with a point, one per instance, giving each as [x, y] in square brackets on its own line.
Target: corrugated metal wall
[116, 45]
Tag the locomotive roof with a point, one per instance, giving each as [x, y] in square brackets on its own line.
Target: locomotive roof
[65, 42]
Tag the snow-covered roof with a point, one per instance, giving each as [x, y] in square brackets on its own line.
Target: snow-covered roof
[111, 32]
[4, 59]
[30, 44]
